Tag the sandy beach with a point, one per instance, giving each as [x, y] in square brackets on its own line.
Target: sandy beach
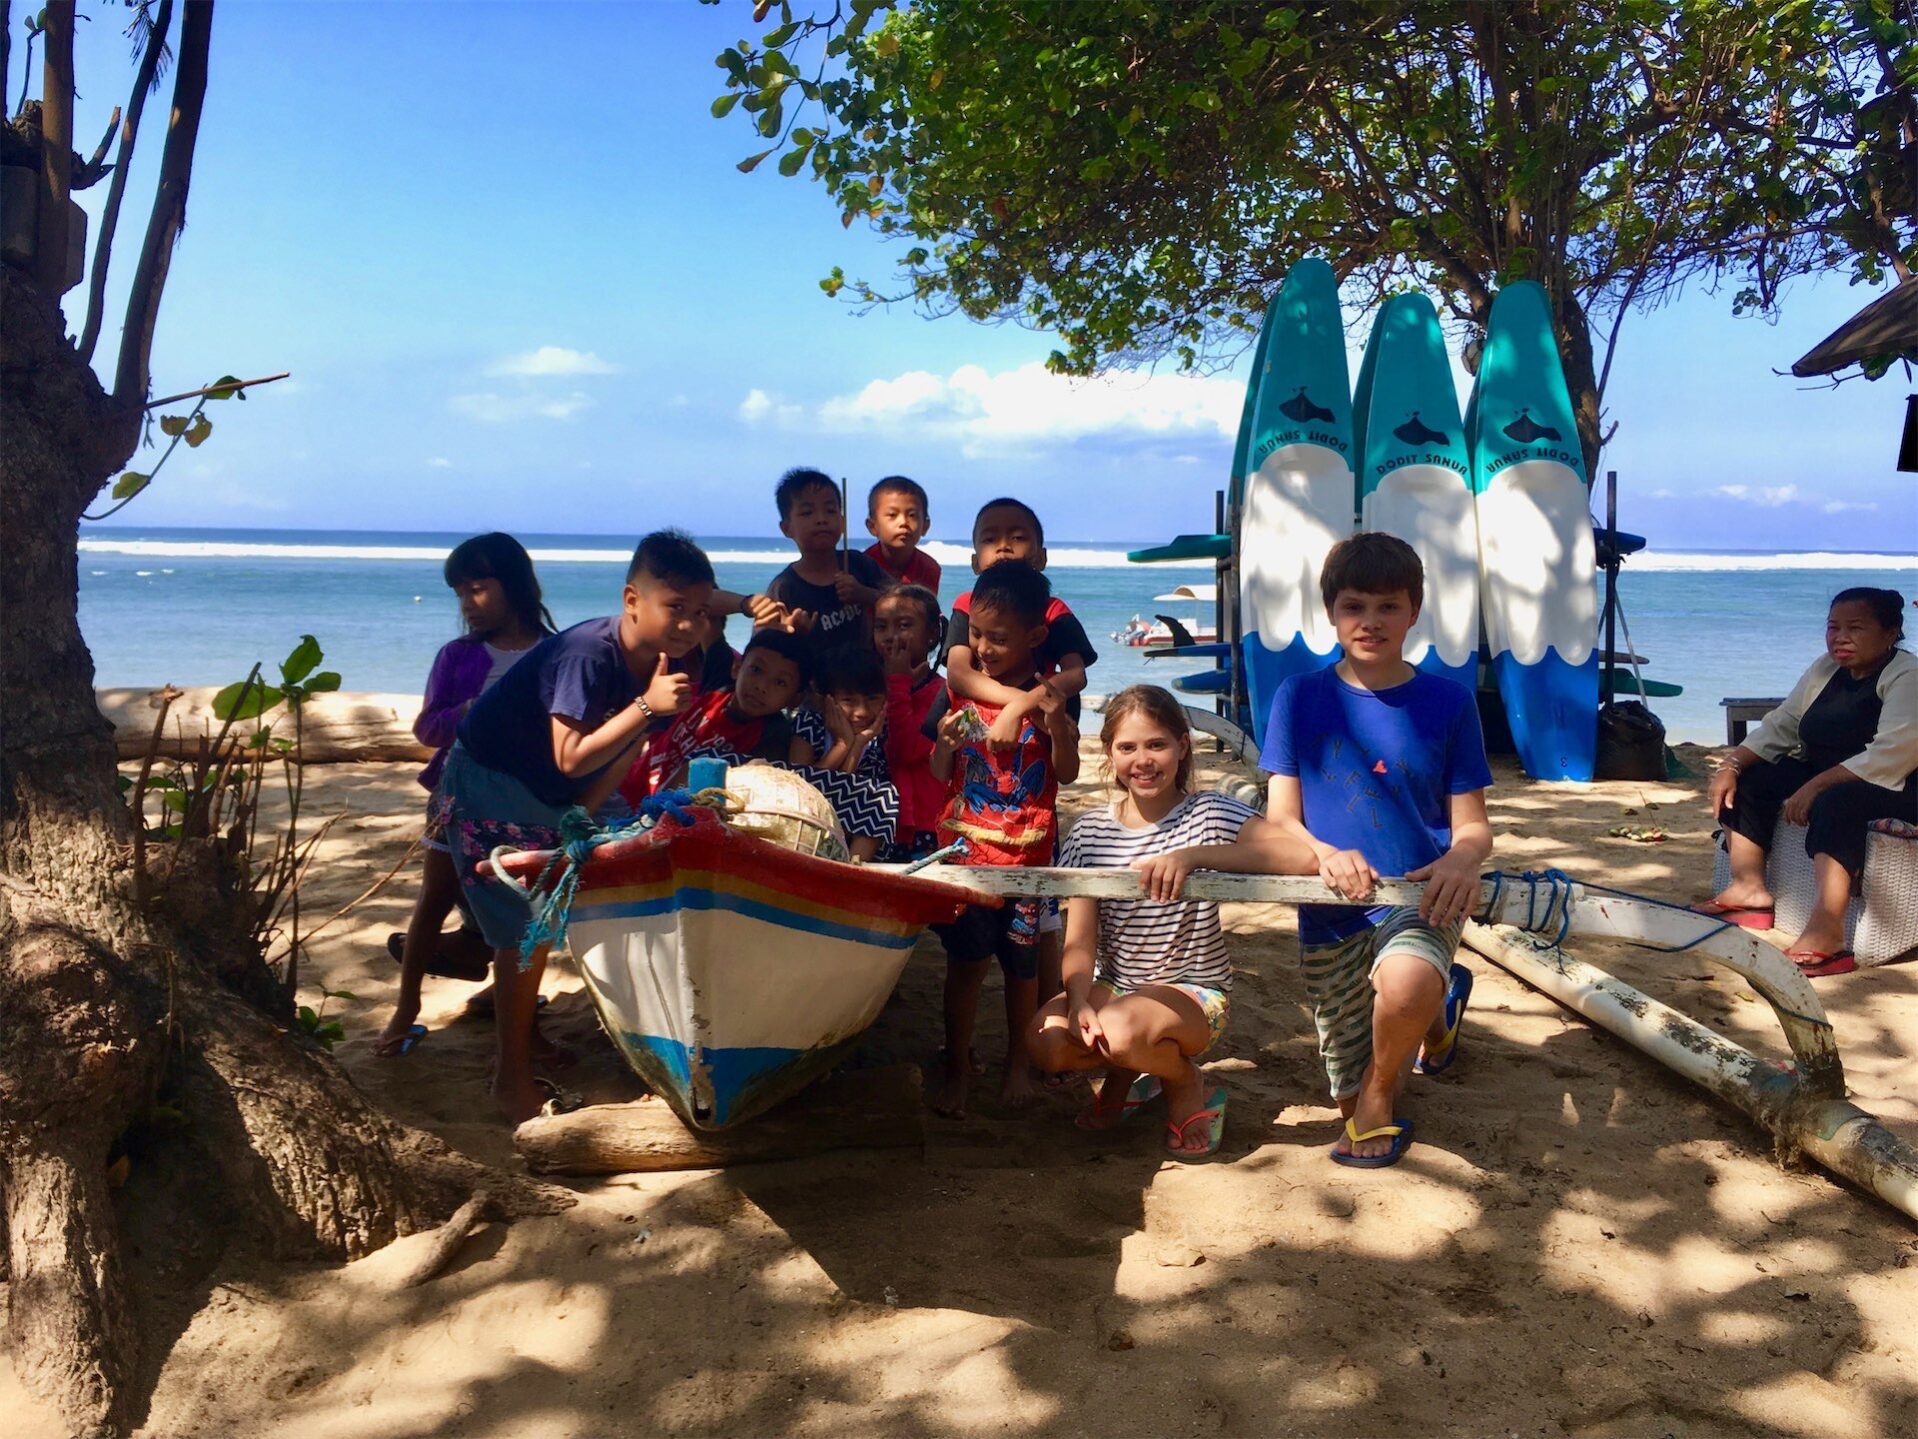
[1578, 1244]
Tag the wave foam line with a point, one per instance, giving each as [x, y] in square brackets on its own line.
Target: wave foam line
[950, 556]
[1791, 560]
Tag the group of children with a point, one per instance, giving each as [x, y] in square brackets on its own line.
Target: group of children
[924, 728]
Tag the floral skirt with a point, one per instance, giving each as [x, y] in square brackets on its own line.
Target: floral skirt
[482, 810]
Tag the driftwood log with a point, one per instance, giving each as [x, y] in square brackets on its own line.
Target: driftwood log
[337, 728]
[857, 1109]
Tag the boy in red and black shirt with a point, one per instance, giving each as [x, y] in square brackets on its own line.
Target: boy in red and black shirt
[743, 721]
[897, 517]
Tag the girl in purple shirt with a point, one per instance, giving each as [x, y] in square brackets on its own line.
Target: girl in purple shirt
[500, 605]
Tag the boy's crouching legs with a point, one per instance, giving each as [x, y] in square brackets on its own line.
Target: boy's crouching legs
[1408, 1005]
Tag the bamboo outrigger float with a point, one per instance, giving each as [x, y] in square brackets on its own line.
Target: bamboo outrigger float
[1522, 924]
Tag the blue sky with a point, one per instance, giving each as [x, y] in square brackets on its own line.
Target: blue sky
[505, 253]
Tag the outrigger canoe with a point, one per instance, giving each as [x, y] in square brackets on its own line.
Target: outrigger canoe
[729, 971]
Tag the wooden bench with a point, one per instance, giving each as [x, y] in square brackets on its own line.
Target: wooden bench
[1741, 713]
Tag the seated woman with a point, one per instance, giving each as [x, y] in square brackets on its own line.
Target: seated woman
[1840, 752]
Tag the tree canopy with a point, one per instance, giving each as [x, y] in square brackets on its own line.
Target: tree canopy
[1135, 177]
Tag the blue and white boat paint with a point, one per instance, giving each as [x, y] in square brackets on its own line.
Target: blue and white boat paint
[729, 971]
[1415, 479]
[1538, 561]
[1300, 498]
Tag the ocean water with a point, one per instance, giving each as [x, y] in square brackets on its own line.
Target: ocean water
[198, 607]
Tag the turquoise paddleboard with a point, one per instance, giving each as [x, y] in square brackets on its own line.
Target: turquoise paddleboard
[1415, 479]
[1299, 492]
[1539, 568]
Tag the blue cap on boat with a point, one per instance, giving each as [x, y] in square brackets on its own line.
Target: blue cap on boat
[705, 773]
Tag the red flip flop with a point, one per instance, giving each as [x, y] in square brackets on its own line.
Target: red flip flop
[1815, 963]
[1733, 914]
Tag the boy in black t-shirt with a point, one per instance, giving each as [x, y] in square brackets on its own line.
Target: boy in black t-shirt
[829, 589]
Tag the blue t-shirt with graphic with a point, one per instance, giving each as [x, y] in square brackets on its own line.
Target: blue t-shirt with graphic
[580, 674]
[1376, 772]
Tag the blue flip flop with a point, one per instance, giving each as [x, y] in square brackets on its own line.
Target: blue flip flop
[1399, 1131]
[414, 1034]
[1458, 992]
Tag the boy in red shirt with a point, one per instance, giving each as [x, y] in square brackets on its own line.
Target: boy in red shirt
[1003, 801]
[745, 720]
[905, 631]
[897, 517]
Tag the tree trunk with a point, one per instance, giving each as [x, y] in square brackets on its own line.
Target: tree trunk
[1581, 372]
[111, 1014]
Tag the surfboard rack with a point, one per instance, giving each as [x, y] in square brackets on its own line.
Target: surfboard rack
[1190, 652]
[1522, 925]
[1184, 547]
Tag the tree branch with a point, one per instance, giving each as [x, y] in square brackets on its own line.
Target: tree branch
[123, 163]
[93, 171]
[6, 51]
[168, 217]
[56, 148]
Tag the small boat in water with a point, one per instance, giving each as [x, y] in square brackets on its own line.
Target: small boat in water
[731, 971]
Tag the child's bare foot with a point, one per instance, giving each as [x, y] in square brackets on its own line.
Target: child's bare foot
[518, 1101]
[949, 1092]
[973, 1062]
[1017, 1088]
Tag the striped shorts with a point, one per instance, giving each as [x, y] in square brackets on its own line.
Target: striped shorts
[1338, 977]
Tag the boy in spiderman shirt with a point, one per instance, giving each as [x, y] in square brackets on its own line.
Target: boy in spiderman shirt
[1002, 799]
[743, 721]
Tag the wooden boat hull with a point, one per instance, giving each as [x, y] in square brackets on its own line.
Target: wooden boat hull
[731, 972]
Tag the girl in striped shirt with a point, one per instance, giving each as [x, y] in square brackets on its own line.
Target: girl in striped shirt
[1147, 979]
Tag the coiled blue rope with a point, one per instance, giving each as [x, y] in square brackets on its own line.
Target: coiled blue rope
[579, 835]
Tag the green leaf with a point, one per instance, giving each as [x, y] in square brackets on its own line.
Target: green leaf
[308, 1019]
[304, 659]
[723, 106]
[197, 432]
[339, 994]
[240, 701]
[173, 424]
[325, 682]
[130, 484]
[751, 162]
[226, 388]
[790, 162]
[330, 1033]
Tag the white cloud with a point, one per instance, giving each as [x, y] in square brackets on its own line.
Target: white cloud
[1768, 496]
[553, 360]
[440, 462]
[758, 408]
[494, 409]
[1839, 507]
[1030, 404]
[1662, 495]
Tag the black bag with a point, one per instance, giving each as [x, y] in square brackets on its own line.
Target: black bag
[1631, 742]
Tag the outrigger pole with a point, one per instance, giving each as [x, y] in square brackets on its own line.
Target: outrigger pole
[1522, 925]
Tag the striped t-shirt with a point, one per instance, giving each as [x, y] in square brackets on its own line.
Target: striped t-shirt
[1142, 941]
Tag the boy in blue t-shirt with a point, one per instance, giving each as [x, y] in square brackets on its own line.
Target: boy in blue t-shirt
[559, 729]
[1381, 769]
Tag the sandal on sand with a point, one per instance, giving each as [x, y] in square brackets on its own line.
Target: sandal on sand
[439, 966]
[1199, 1136]
[1815, 963]
[558, 1100]
[1458, 992]
[1142, 1092]
[1737, 914]
[1399, 1131]
[400, 1044]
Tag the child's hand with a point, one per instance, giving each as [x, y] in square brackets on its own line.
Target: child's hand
[952, 729]
[873, 730]
[799, 622]
[834, 714]
[1162, 876]
[765, 610]
[1049, 700]
[1451, 890]
[1348, 873]
[897, 661]
[850, 591]
[1082, 1023]
[667, 694]
[1004, 732]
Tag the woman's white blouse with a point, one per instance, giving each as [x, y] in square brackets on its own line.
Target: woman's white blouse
[1893, 752]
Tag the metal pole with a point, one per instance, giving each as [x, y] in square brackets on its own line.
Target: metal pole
[1611, 583]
